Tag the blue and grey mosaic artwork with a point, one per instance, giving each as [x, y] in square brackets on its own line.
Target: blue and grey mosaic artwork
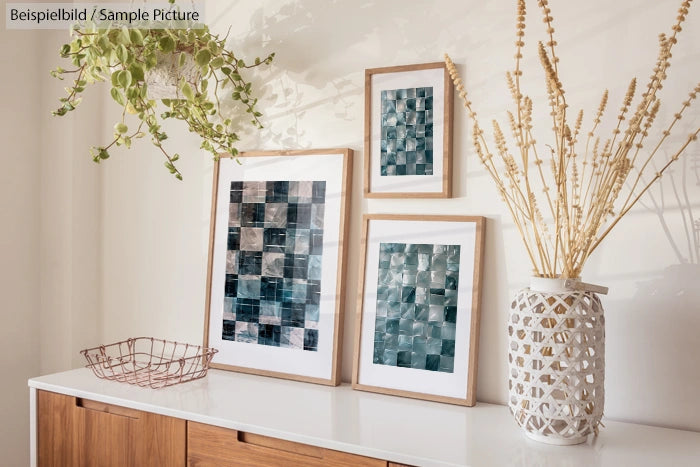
[416, 318]
[407, 132]
[273, 263]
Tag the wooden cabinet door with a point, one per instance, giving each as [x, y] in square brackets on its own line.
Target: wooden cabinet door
[80, 432]
[210, 446]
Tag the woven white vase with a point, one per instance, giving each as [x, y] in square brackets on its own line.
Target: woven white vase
[556, 362]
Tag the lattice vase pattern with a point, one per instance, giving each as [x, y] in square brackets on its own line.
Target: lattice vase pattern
[556, 362]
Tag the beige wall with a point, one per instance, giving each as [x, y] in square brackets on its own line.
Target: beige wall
[19, 252]
[93, 254]
[50, 276]
[70, 218]
[155, 229]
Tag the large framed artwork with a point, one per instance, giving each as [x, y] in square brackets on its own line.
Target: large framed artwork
[418, 317]
[276, 263]
[408, 132]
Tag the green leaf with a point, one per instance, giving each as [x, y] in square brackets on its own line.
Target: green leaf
[126, 37]
[137, 71]
[115, 78]
[117, 96]
[166, 44]
[122, 53]
[65, 50]
[121, 128]
[204, 84]
[104, 44]
[103, 154]
[187, 91]
[124, 78]
[202, 57]
[136, 36]
[217, 63]
[182, 59]
[150, 60]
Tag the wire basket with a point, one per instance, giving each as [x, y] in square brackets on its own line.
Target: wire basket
[149, 362]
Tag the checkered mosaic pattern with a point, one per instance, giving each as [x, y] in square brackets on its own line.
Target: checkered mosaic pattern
[273, 263]
[407, 132]
[417, 306]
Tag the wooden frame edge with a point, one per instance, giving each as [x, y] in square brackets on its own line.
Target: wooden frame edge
[273, 374]
[343, 232]
[448, 116]
[210, 251]
[448, 136]
[367, 136]
[479, 248]
[470, 398]
[360, 305]
[412, 395]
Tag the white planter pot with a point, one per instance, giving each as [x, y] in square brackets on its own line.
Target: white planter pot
[556, 362]
[163, 79]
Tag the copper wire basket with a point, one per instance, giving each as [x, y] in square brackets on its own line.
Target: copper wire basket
[149, 362]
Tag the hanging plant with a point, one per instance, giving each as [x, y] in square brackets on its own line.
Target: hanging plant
[192, 64]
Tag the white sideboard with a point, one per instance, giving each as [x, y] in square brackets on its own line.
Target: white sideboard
[384, 427]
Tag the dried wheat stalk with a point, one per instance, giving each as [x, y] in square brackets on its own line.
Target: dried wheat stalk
[585, 183]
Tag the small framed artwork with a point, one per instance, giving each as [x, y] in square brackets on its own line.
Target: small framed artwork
[408, 132]
[276, 263]
[418, 316]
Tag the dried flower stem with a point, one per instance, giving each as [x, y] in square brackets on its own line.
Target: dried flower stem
[586, 193]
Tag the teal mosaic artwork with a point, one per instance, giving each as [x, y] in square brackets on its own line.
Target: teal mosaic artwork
[416, 319]
[407, 132]
[273, 263]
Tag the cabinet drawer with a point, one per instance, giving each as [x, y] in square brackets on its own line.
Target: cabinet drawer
[79, 432]
[214, 446]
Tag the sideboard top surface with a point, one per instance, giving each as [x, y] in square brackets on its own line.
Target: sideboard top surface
[386, 427]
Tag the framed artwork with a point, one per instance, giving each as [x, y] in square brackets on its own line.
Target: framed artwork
[418, 317]
[408, 132]
[276, 263]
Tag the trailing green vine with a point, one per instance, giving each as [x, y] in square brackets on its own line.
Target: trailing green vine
[124, 57]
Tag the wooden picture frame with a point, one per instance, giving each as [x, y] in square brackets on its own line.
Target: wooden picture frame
[408, 132]
[418, 307]
[277, 254]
